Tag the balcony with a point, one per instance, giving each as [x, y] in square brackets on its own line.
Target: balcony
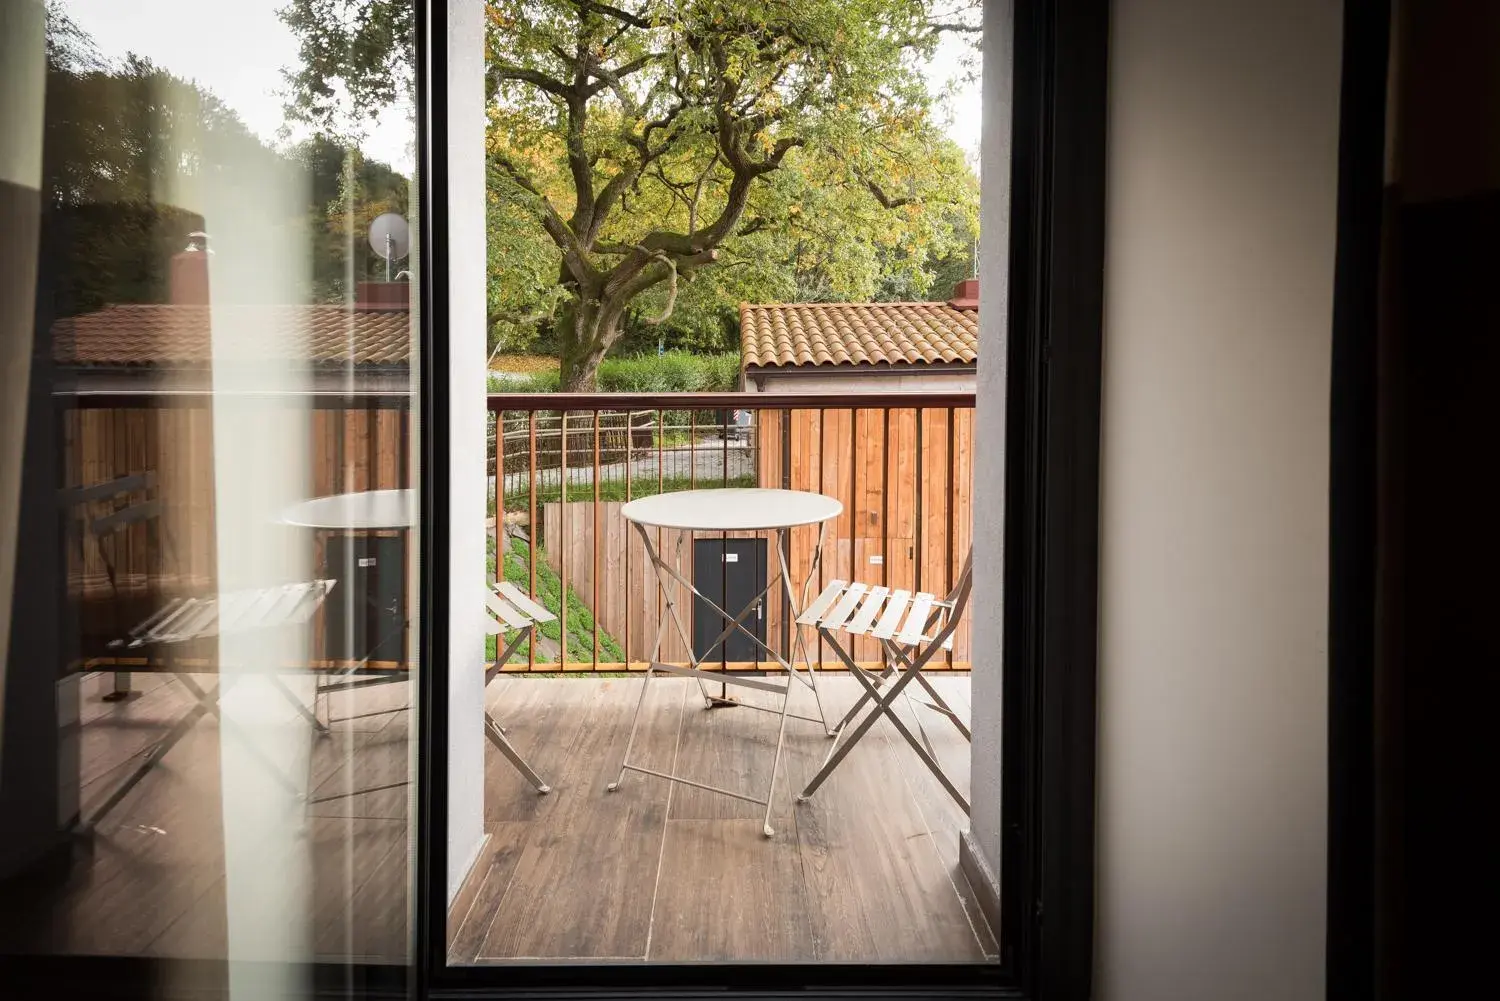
[865, 871]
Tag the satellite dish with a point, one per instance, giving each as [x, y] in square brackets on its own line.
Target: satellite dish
[390, 237]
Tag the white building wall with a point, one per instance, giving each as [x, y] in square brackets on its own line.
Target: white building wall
[1212, 782]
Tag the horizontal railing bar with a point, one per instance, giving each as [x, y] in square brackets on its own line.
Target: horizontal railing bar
[728, 401]
[161, 398]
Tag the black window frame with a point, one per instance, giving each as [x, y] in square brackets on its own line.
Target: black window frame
[1055, 315]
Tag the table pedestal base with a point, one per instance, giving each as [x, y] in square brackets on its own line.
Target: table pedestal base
[666, 575]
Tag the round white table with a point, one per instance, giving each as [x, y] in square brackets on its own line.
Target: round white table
[750, 509]
[366, 510]
[730, 510]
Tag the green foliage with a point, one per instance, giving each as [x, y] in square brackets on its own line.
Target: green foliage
[652, 164]
[348, 191]
[671, 372]
[356, 57]
[126, 143]
[580, 642]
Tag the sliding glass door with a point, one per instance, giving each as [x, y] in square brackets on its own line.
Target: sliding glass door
[211, 441]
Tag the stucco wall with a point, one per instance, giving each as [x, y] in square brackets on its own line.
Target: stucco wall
[1212, 783]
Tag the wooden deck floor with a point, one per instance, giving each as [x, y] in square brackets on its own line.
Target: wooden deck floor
[865, 872]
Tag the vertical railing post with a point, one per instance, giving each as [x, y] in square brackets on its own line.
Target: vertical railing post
[724, 548]
[885, 497]
[629, 461]
[500, 503]
[918, 535]
[597, 474]
[822, 539]
[853, 500]
[562, 536]
[786, 544]
[533, 536]
[661, 488]
[948, 521]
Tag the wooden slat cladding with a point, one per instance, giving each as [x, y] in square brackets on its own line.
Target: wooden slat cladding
[908, 510]
[350, 449]
[903, 472]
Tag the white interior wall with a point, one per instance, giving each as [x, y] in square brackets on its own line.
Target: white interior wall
[1212, 782]
[466, 405]
[982, 841]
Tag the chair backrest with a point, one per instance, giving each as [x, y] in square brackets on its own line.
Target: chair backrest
[102, 529]
[954, 603]
[512, 608]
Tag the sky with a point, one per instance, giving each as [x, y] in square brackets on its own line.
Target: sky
[237, 48]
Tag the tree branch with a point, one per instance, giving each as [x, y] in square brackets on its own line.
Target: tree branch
[502, 71]
[615, 13]
[552, 221]
[884, 199]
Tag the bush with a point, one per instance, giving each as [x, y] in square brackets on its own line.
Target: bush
[671, 372]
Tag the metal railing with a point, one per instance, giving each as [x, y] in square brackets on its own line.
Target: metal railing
[562, 465]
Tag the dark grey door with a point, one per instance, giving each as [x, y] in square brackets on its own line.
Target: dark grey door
[731, 572]
[366, 612]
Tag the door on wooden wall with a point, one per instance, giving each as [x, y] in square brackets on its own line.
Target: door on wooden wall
[367, 621]
[731, 572]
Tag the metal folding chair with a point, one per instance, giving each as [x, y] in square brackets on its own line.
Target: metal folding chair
[511, 609]
[186, 620]
[912, 629]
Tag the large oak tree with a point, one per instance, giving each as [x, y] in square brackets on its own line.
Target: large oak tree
[651, 139]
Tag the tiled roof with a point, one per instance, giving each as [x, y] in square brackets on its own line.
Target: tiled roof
[167, 336]
[860, 333]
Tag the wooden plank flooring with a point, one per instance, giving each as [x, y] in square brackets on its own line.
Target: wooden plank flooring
[864, 872]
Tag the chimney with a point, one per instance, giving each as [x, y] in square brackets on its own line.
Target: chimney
[383, 297]
[187, 276]
[966, 295]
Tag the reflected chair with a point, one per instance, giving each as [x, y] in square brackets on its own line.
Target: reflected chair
[511, 610]
[911, 629]
[181, 623]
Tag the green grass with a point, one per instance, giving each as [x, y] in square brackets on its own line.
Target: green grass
[579, 646]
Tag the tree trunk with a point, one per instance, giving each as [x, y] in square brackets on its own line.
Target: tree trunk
[588, 332]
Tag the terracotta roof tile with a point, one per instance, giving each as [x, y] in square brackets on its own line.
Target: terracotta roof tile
[859, 333]
[165, 335]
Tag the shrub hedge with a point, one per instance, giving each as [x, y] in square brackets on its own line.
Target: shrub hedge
[671, 372]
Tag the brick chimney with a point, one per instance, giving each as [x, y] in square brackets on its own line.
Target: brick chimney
[383, 297]
[966, 295]
[187, 275]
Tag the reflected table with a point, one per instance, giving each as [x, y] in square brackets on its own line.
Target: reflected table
[362, 511]
[730, 510]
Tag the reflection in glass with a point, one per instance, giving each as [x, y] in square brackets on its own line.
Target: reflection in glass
[206, 739]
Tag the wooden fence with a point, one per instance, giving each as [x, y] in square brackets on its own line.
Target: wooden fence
[352, 448]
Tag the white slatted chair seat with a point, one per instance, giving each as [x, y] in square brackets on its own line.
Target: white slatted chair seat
[183, 619]
[863, 610]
